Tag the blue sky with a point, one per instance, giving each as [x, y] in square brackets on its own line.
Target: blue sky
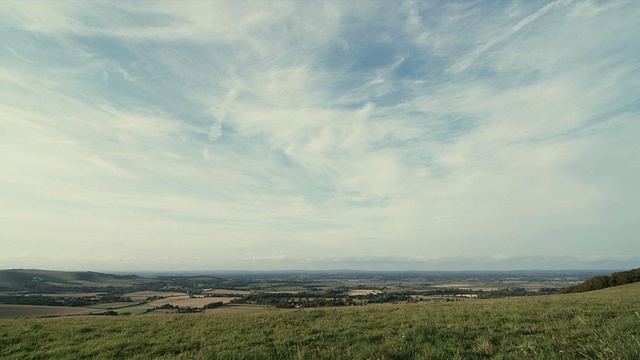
[319, 135]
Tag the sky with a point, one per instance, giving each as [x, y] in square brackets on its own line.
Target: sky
[319, 135]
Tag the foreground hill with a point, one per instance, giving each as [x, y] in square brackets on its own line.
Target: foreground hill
[603, 281]
[597, 324]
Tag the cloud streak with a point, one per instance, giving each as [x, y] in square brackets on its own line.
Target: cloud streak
[506, 34]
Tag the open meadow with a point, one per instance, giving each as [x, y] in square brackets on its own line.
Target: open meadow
[593, 325]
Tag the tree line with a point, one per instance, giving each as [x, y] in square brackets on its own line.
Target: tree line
[603, 281]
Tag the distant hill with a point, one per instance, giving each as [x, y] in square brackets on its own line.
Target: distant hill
[42, 280]
[603, 281]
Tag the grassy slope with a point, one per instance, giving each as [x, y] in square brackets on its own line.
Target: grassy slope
[599, 324]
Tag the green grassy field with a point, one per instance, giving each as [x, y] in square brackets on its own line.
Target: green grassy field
[603, 324]
[131, 310]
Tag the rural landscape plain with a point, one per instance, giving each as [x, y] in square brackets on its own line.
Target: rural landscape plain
[328, 315]
[319, 179]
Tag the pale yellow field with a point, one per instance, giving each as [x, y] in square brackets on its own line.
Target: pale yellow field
[455, 286]
[24, 311]
[143, 295]
[363, 292]
[184, 301]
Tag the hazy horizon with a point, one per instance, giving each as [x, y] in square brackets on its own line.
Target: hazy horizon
[334, 272]
[320, 135]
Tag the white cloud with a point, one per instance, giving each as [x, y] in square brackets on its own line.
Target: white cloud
[215, 132]
[331, 132]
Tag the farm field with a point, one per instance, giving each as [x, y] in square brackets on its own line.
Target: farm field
[134, 309]
[114, 305]
[27, 311]
[143, 295]
[594, 325]
[73, 294]
[363, 292]
[186, 301]
[226, 292]
[466, 287]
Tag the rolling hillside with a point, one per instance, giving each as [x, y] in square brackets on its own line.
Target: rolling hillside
[33, 279]
[592, 325]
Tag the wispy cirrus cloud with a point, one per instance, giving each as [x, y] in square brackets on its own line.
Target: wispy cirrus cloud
[319, 131]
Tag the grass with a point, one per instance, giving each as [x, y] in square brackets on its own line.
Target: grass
[137, 309]
[113, 305]
[134, 309]
[595, 325]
